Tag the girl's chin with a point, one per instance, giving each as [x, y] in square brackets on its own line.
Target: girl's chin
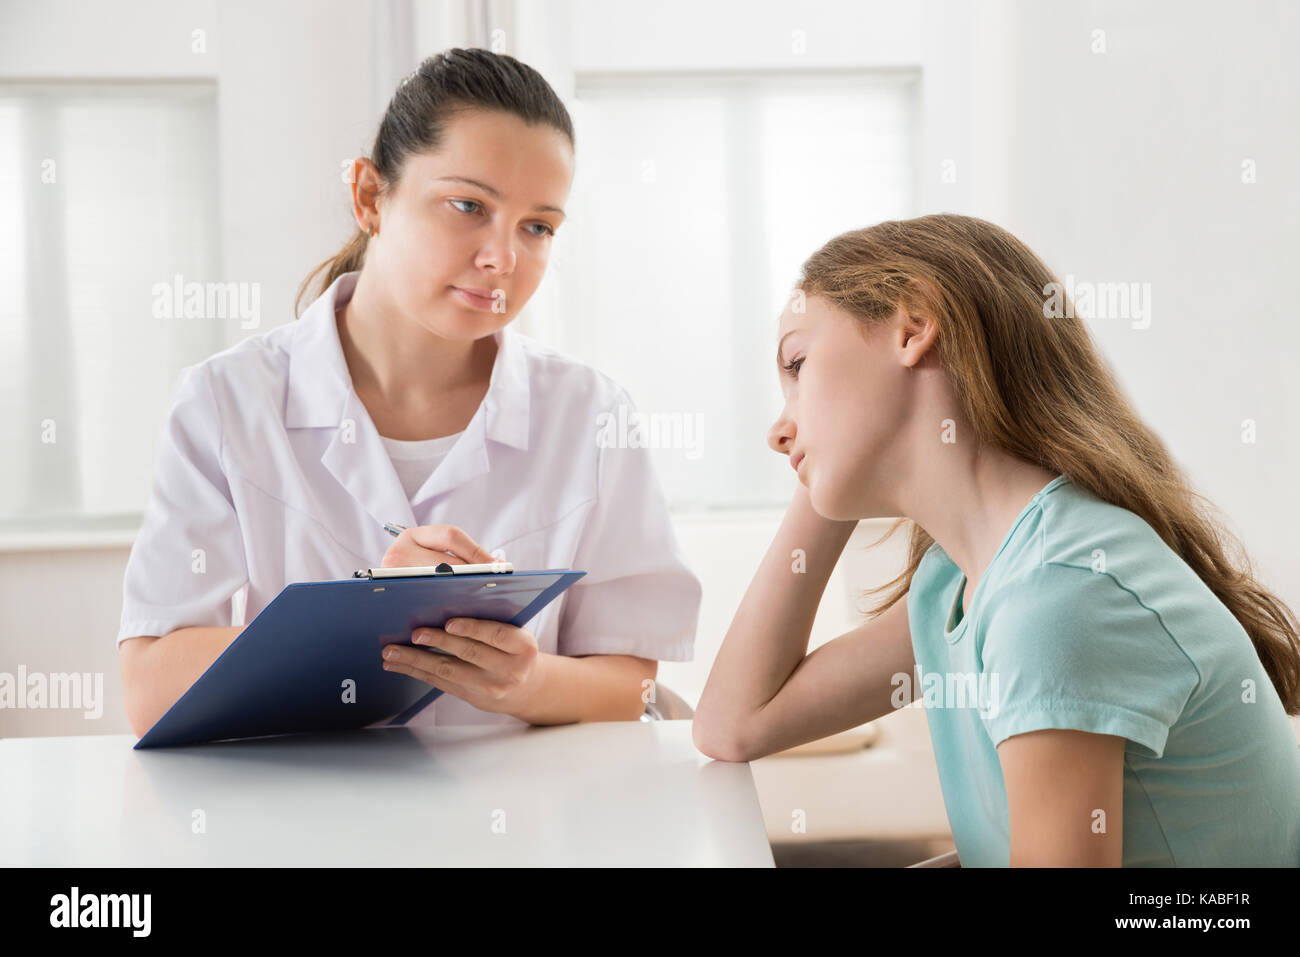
[831, 510]
[815, 499]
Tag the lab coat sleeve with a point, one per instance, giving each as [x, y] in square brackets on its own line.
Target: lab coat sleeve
[188, 560]
[638, 597]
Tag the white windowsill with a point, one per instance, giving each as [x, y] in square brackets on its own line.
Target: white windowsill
[36, 539]
[70, 533]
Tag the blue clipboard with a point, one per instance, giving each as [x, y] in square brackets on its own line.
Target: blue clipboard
[311, 660]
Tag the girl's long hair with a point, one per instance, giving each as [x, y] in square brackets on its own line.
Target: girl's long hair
[1032, 384]
[416, 119]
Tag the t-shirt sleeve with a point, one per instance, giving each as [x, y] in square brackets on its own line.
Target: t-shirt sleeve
[1066, 647]
[188, 560]
[639, 597]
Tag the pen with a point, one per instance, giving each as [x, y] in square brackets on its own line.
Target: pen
[442, 569]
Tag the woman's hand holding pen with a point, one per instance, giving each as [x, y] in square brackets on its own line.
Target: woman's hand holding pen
[492, 665]
[433, 545]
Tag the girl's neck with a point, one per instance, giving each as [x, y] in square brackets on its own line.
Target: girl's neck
[973, 511]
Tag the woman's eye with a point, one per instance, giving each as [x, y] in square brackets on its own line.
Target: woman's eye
[792, 367]
[459, 204]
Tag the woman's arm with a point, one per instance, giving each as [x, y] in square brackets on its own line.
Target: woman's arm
[765, 693]
[589, 688]
[157, 671]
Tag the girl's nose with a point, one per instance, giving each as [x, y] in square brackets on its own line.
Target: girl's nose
[781, 436]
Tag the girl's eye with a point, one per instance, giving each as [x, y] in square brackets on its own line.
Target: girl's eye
[467, 202]
[792, 367]
[549, 231]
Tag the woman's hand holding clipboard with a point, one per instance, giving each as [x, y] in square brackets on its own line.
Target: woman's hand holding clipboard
[492, 665]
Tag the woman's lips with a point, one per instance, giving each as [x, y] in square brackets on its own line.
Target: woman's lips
[797, 461]
[473, 299]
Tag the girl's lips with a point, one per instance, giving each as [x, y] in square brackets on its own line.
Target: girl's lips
[797, 461]
[474, 299]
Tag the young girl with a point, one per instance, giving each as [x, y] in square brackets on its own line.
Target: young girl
[402, 396]
[1103, 684]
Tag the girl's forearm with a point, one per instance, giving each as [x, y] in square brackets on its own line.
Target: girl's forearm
[768, 637]
[593, 688]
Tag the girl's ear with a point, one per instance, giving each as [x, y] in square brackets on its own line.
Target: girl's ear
[914, 333]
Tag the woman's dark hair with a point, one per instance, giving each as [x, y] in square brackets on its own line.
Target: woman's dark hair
[443, 85]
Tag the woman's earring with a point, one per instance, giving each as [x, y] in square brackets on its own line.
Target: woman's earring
[372, 232]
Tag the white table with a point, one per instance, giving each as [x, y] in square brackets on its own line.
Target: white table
[626, 793]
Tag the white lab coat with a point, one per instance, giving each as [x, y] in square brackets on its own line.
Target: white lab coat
[270, 471]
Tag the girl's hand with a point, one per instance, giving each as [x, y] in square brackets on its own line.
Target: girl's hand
[492, 665]
[433, 545]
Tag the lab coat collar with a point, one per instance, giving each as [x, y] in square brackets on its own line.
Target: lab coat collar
[320, 395]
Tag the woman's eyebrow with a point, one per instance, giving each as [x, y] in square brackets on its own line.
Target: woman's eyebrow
[494, 192]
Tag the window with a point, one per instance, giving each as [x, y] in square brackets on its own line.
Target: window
[113, 192]
[696, 199]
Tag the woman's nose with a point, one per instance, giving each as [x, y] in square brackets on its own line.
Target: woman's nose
[781, 436]
[498, 253]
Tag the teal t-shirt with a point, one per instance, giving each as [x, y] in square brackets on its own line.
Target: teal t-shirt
[1086, 619]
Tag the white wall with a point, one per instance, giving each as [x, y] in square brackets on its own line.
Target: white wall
[1127, 166]
[1122, 166]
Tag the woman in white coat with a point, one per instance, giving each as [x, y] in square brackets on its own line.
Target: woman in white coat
[402, 396]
